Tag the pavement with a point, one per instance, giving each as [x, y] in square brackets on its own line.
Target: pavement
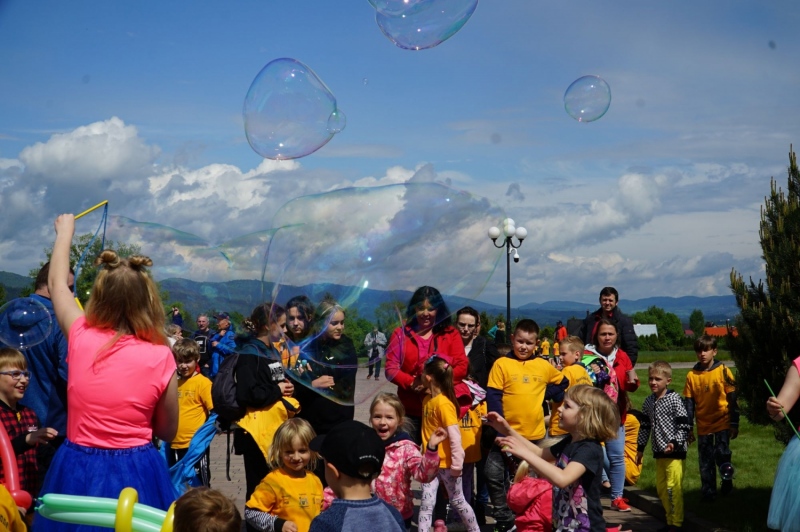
[646, 515]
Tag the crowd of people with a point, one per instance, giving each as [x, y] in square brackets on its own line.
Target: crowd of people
[480, 421]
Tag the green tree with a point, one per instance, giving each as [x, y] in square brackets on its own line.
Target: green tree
[2, 294]
[670, 329]
[768, 333]
[88, 271]
[388, 316]
[697, 322]
[548, 331]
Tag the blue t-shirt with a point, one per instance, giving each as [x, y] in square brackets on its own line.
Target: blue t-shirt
[353, 516]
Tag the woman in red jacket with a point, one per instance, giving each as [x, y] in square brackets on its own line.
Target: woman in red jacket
[428, 330]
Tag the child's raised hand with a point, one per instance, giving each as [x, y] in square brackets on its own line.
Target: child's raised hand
[438, 436]
[289, 526]
[65, 223]
[497, 422]
[42, 435]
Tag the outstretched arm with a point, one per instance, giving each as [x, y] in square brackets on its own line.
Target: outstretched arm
[67, 310]
[787, 397]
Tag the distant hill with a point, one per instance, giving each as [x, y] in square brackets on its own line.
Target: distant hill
[14, 284]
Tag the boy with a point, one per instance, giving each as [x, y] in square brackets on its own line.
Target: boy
[206, 510]
[518, 384]
[710, 393]
[194, 403]
[20, 422]
[570, 353]
[665, 414]
[353, 455]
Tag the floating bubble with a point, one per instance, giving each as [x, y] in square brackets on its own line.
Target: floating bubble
[336, 122]
[424, 23]
[287, 111]
[368, 249]
[24, 322]
[587, 99]
[365, 81]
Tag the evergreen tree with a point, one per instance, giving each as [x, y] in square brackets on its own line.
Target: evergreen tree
[769, 324]
[697, 322]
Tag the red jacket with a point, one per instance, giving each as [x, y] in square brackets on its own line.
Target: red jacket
[622, 365]
[531, 500]
[404, 362]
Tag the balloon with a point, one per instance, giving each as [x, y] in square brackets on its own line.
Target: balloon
[21, 497]
[123, 514]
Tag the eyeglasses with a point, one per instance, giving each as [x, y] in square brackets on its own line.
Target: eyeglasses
[17, 374]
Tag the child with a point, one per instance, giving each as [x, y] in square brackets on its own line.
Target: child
[122, 385]
[174, 333]
[353, 456]
[518, 384]
[570, 353]
[665, 413]
[440, 409]
[11, 515]
[289, 497]
[403, 461]
[531, 500]
[710, 393]
[471, 426]
[20, 421]
[194, 405]
[206, 510]
[590, 417]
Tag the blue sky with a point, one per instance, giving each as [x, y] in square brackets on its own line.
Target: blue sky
[140, 103]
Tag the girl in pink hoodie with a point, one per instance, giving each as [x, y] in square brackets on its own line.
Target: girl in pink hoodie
[531, 500]
[403, 459]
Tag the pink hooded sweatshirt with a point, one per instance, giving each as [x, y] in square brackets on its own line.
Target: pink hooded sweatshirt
[531, 500]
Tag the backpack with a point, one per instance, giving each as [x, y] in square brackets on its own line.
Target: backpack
[223, 391]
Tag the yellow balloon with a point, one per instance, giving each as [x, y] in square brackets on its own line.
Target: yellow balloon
[124, 516]
[169, 519]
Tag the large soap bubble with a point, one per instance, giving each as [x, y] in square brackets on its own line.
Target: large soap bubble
[421, 24]
[587, 99]
[24, 322]
[368, 249]
[289, 112]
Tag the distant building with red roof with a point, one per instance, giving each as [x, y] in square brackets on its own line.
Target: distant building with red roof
[721, 331]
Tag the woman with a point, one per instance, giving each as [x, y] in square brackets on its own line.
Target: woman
[299, 312]
[428, 330]
[605, 343]
[260, 384]
[327, 375]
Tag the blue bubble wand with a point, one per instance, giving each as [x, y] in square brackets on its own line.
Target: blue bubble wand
[102, 225]
[785, 415]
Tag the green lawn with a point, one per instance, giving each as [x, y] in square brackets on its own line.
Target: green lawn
[755, 457]
[645, 357]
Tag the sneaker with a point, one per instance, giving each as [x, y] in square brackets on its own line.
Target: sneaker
[727, 487]
[369, 377]
[620, 504]
[439, 526]
[377, 378]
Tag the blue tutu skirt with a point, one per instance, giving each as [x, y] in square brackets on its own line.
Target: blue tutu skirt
[784, 504]
[79, 470]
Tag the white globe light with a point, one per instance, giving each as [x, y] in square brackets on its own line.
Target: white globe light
[521, 233]
[509, 221]
[509, 230]
[494, 233]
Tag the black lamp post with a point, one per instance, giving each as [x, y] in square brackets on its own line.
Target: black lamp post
[509, 232]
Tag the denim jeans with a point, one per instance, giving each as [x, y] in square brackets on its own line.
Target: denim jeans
[616, 458]
[375, 365]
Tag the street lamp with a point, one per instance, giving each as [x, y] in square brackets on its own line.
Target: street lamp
[509, 232]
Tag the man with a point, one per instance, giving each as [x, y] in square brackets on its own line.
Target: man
[203, 338]
[609, 297]
[376, 343]
[47, 362]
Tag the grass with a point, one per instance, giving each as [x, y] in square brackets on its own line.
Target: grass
[755, 457]
[646, 357]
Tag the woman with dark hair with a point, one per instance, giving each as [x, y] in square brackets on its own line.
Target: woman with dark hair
[605, 343]
[299, 313]
[428, 330]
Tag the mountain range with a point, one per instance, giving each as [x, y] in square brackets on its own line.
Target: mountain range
[243, 295]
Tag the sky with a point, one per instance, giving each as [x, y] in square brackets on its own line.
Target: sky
[140, 103]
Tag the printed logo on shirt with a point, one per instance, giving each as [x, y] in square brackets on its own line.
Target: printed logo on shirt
[276, 371]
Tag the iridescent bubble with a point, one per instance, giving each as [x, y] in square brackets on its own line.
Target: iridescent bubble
[336, 122]
[394, 8]
[426, 23]
[287, 110]
[587, 99]
[24, 322]
[369, 249]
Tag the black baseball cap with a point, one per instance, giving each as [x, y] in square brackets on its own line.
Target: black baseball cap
[353, 448]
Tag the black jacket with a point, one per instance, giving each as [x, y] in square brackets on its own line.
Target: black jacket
[481, 357]
[624, 325]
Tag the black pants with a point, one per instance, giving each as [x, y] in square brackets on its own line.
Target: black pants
[201, 467]
[713, 450]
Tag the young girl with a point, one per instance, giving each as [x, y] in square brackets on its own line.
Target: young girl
[590, 417]
[439, 409]
[290, 497]
[121, 387]
[403, 460]
[531, 499]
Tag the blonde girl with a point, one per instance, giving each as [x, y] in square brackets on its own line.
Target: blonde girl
[403, 460]
[290, 497]
[121, 387]
[590, 417]
[440, 409]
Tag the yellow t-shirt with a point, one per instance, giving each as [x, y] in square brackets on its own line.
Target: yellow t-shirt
[471, 428]
[545, 348]
[555, 349]
[576, 375]
[523, 384]
[632, 471]
[708, 389]
[194, 403]
[298, 500]
[10, 518]
[438, 412]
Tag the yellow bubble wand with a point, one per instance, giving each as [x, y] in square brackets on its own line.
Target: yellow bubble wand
[785, 415]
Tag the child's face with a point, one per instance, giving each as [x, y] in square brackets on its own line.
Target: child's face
[187, 368]
[335, 326]
[524, 344]
[568, 358]
[277, 329]
[658, 383]
[706, 358]
[12, 390]
[568, 412]
[384, 420]
[296, 458]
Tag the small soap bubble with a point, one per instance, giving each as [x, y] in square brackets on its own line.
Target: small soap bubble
[426, 24]
[365, 81]
[287, 111]
[24, 322]
[336, 122]
[587, 99]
